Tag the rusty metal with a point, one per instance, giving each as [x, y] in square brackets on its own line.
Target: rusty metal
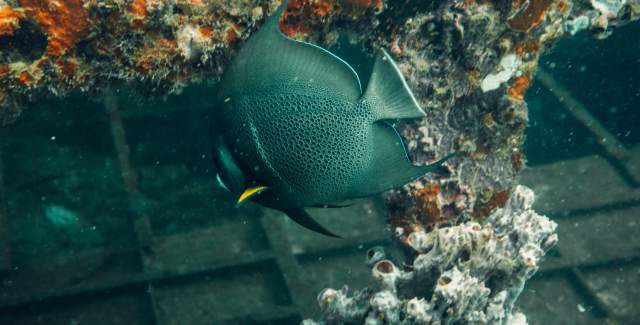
[141, 221]
[142, 224]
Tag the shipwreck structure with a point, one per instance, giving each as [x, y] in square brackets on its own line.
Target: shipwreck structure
[470, 235]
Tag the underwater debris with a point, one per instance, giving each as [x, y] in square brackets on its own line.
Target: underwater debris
[465, 274]
[60, 216]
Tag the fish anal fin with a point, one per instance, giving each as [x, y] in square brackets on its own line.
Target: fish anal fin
[388, 92]
[302, 218]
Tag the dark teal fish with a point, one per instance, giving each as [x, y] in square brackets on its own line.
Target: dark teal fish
[295, 130]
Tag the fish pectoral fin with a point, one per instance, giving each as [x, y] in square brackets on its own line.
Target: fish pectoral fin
[249, 193]
[221, 183]
[229, 174]
[302, 218]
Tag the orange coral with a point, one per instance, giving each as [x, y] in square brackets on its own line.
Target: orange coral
[530, 46]
[139, 12]
[168, 45]
[231, 34]
[531, 16]
[9, 20]
[359, 6]
[497, 200]
[427, 204]
[469, 3]
[64, 21]
[322, 8]
[25, 78]
[302, 15]
[4, 69]
[66, 68]
[517, 161]
[562, 6]
[205, 31]
[519, 87]
[156, 54]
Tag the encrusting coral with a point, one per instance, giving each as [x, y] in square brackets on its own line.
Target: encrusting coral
[464, 274]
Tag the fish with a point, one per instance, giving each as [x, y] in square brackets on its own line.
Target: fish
[293, 128]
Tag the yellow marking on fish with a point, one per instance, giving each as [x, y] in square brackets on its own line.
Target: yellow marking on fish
[248, 193]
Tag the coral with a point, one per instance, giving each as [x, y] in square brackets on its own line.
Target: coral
[303, 16]
[470, 64]
[464, 274]
[64, 21]
[9, 20]
[508, 67]
[531, 16]
[161, 46]
[519, 87]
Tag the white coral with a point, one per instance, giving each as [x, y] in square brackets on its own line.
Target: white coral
[509, 65]
[469, 273]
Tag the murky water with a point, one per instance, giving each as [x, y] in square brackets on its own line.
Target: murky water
[110, 212]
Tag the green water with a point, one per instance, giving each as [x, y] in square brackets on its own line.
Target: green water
[78, 238]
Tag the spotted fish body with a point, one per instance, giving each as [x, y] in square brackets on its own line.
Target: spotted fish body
[299, 135]
[295, 130]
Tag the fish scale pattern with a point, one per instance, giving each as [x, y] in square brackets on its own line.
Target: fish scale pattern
[318, 141]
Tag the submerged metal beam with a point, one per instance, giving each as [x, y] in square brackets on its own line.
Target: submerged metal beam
[607, 141]
[141, 222]
[5, 251]
[137, 201]
[129, 280]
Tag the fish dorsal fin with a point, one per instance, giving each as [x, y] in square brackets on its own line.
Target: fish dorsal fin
[269, 58]
[390, 167]
[389, 93]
